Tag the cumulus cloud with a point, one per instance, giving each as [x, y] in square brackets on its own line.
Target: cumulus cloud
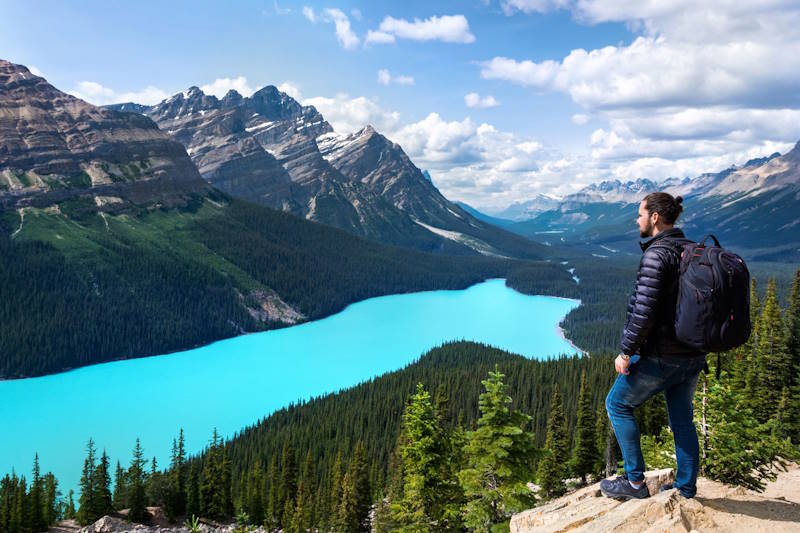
[475, 100]
[347, 114]
[221, 86]
[386, 78]
[308, 12]
[703, 85]
[97, 94]
[447, 28]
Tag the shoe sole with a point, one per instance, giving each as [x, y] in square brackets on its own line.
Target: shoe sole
[622, 497]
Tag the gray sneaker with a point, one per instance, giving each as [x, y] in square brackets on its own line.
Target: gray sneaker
[620, 489]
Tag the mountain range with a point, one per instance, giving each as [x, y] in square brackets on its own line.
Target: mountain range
[752, 208]
[113, 245]
[268, 148]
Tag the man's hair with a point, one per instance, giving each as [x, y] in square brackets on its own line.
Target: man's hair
[667, 207]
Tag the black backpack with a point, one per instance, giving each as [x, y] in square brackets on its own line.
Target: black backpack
[712, 313]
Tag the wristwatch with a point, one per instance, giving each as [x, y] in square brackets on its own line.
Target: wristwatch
[626, 357]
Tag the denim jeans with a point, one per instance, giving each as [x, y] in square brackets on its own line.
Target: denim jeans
[648, 376]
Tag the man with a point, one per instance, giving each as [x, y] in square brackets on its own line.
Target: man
[651, 359]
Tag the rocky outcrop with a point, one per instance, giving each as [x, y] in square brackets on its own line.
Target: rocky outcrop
[716, 508]
[54, 146]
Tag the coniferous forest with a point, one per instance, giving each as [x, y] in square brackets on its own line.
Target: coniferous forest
[413, 448]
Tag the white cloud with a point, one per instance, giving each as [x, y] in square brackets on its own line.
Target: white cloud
[356, 13]
[348, 114]
[98, 94]
[308, 13]
[221, 86]
[35, 71]
[385, 78]
[344, 34]
[379, 37]
[290, 89]
[447, 28]
[705, 84]
[580, 118]
[474, 100]
[532, 6]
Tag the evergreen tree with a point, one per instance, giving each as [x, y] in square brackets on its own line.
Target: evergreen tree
[793, 327]
[177, 478]
[773, 359]
[69, 512]
[551, 472]
[36, 517]
[254, 494]
[353, 515]
[120, 497]
[739, 450]
[429, 501]
[87, 505]
[137, 479]
[288, 482]
[193, 507]
[215, 489]
[52, 496]
[273, 493]
[584, 449]
[499, 457]
[745, 355]
[337, 480]
[101, 487]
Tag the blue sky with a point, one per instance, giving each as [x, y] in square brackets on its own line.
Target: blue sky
[562, 92]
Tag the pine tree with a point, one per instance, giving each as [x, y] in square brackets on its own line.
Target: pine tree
[101, 488]
[177, 478]
[551, 472]
[120, 497]
[193, 507]
[773, 359]
[86, 510]
[254, 494]
[745, 358]
[52, 497]
[273, 496]
[36, 518]
[288, 482]
[69, 512]
[584, 451]
[739, 450]
[499, 457]
[353, 513]
[792, 416]
[215, 489]
[429, 502]
[137, 479]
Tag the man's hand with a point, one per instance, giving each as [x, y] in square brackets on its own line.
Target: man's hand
[621, 364]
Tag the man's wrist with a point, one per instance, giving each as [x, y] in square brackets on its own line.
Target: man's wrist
[624, 356]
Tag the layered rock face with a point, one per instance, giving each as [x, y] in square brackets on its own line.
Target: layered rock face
[716, 507]
[269, 149]
[54, 146]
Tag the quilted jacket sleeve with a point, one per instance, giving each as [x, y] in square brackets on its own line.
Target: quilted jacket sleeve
[650, 282]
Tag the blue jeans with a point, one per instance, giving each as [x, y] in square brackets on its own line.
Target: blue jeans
[648, 376]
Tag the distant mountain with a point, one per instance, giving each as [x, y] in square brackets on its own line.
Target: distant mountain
[528, 209]
[270, 149]
[54, 146]
[752, 208]
[499, 222]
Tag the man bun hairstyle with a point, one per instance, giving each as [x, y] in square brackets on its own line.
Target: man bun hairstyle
[668, 207]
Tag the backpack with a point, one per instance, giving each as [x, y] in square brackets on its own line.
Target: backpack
[712, 312]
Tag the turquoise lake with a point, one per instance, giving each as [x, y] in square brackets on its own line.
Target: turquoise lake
[235, 382]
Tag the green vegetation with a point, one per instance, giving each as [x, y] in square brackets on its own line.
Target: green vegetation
[78, 287]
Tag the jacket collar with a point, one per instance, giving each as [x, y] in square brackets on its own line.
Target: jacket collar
[675, 233]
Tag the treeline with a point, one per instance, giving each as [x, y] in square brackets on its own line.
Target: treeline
[30, 508]
[75, 292]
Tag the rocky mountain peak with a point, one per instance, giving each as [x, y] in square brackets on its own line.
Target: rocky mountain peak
[54, 146]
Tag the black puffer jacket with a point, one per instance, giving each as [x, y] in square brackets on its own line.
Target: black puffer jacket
[650, 326]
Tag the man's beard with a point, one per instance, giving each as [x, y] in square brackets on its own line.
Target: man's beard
[646, 231]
